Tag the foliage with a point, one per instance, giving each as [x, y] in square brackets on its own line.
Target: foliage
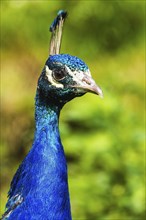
[103, 139]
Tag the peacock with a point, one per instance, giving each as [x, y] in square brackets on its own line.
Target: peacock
[39, 189]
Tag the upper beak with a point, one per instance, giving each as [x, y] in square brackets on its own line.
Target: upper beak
[89, 85]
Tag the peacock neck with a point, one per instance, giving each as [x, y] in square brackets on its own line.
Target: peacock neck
[46, 114]
[47, 143]
[47, 159]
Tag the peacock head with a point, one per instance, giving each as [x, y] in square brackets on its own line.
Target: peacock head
[65, 77]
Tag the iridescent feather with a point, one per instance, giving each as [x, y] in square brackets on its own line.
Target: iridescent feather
[56, 29]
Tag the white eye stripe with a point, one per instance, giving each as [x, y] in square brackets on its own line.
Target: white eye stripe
[78, 76]
[51, 79]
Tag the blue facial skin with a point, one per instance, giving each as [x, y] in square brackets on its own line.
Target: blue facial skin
[41, 180]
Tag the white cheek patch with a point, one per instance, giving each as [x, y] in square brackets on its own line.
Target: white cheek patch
[78, 76]
[51, 79]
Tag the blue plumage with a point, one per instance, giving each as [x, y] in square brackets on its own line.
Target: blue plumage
[73, 62]
[39, 189]
[60, 14]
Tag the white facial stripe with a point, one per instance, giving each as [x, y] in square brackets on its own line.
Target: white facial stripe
[79, 76]
[51, 79]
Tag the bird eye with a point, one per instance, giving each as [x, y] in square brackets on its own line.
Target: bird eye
[59, 74]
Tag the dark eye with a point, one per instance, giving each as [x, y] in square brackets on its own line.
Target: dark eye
[59, 73]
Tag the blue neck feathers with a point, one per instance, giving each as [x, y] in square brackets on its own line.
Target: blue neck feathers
[41, 180]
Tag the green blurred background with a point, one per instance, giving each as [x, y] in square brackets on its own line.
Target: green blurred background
[103, 138]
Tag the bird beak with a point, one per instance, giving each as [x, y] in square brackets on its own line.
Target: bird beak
[87, 84]
[91, 86]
